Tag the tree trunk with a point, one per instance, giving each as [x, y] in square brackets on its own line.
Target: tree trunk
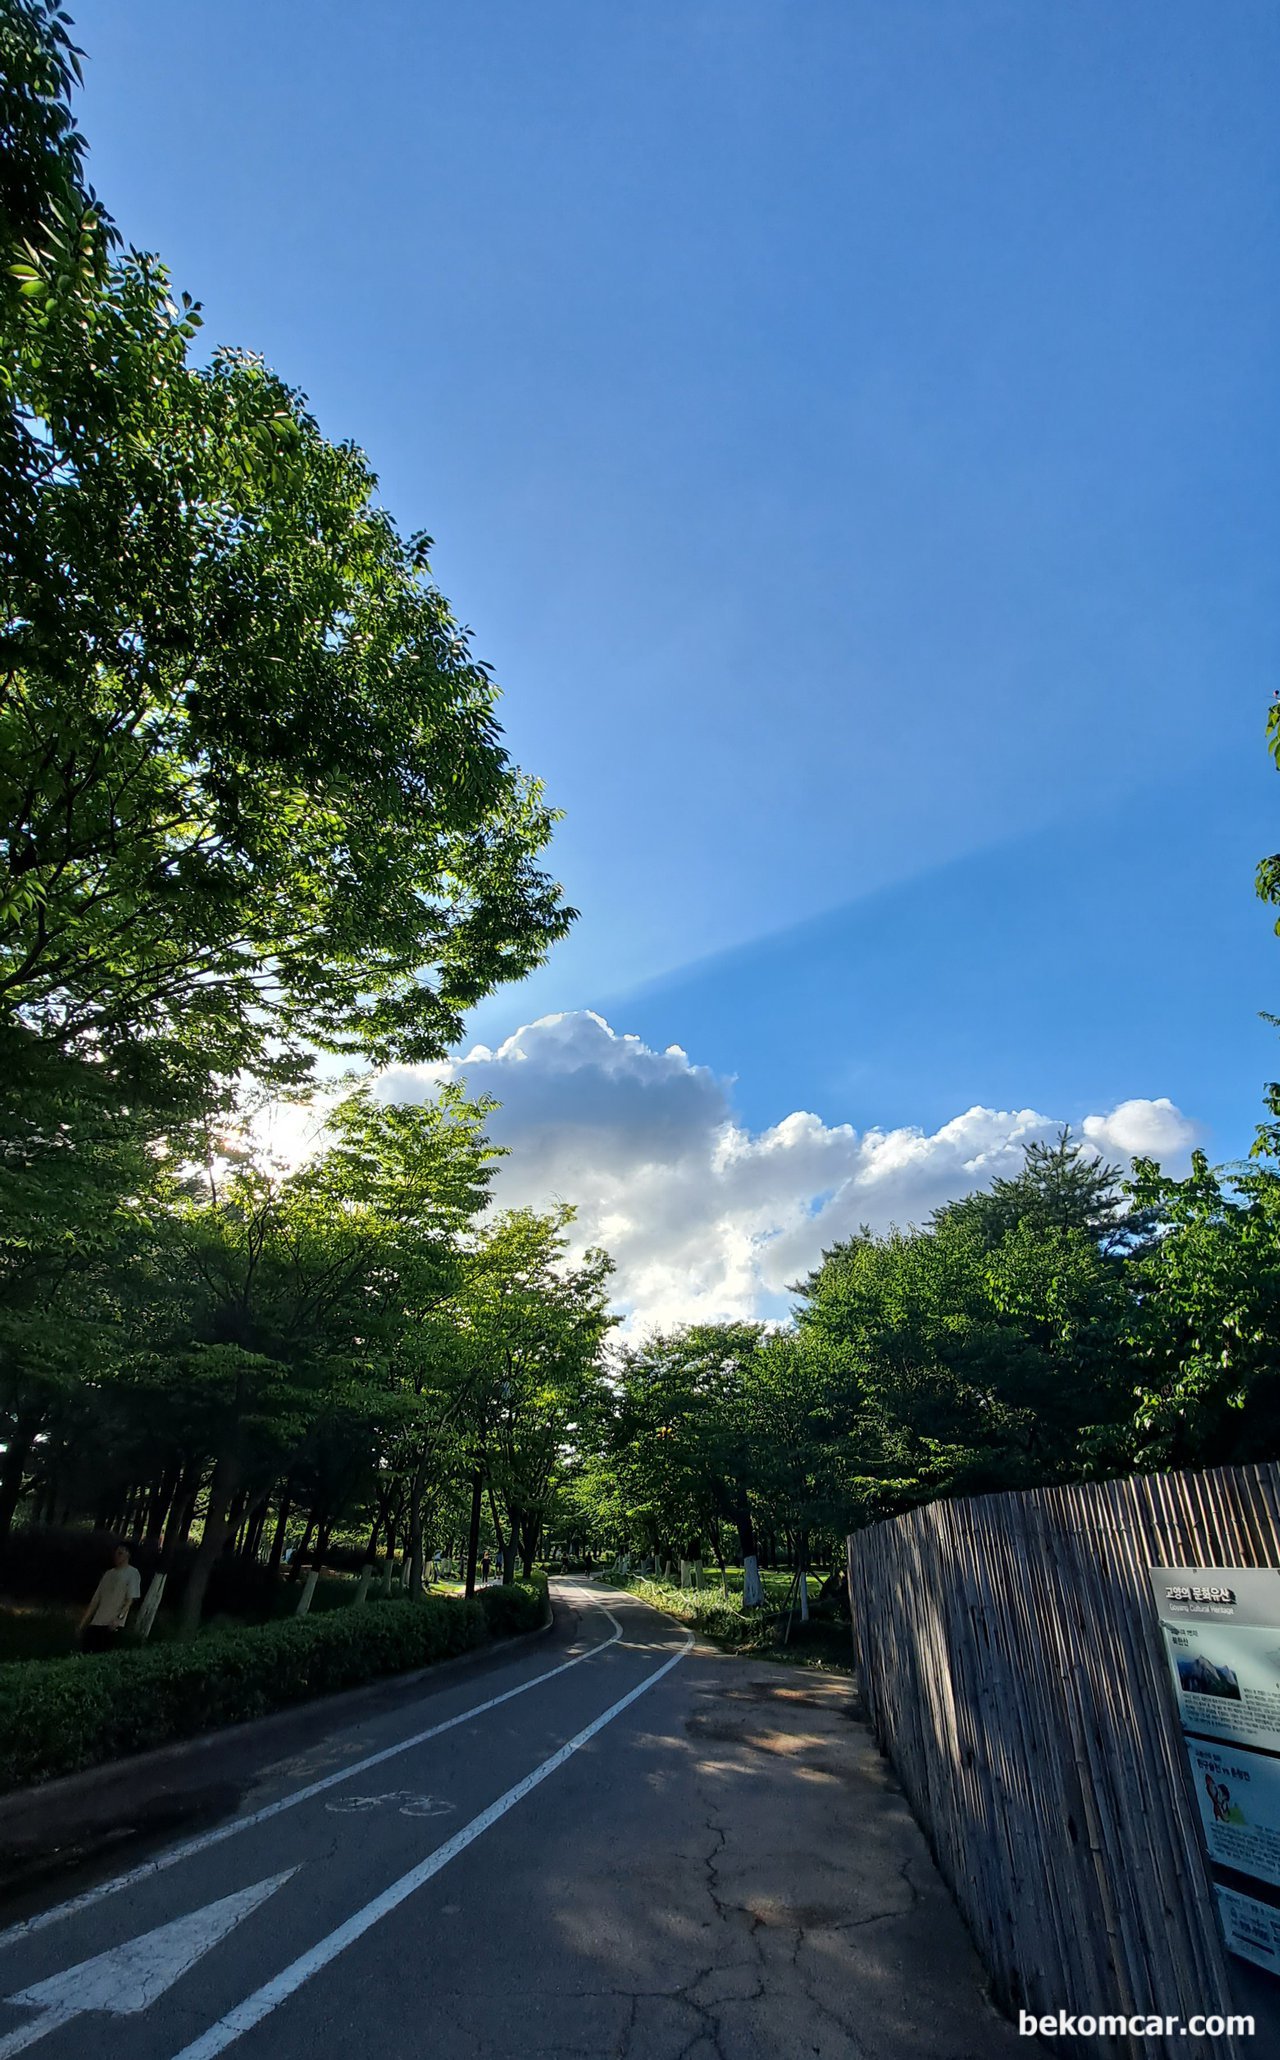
[415, 1539]
[282, 1520]
[386, 1497]
[752, 1586]
[180, 1514]
[255, 1524]
[235, 1517]
[509, 1548]
[295, 1564]
[13, 1471]
[222, 1491]
[497, 1522]
[162, 1503]
[158, 1506]
[473, 1532]
[530, 1532]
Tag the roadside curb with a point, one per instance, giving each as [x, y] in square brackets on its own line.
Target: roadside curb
[42, 1823]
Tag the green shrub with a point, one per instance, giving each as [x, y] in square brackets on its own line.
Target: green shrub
[708, 1609]
[59, 1715]
[823, 1642]
[521, 1607]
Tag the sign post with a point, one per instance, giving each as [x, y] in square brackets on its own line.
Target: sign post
[1221, 1630]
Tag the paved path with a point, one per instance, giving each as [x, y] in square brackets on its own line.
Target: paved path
[613, 1843]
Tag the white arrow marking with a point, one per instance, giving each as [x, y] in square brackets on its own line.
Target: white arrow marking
[129, 1977]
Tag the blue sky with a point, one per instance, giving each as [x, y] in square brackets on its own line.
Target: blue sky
[851, 432]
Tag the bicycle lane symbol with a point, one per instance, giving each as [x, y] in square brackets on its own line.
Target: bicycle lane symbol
[404, 1800]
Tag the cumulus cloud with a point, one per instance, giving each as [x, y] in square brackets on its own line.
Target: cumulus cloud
[1141, 1130]
[705, 1218]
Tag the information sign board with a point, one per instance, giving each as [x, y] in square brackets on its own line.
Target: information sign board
[1221, 1629]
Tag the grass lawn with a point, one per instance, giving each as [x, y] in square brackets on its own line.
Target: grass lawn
[776, 1582]
[824, 1642]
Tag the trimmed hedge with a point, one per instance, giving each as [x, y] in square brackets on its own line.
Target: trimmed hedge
[508, 1609]
[59, 1715]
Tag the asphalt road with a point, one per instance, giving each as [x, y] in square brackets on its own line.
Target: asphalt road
[610, 1843]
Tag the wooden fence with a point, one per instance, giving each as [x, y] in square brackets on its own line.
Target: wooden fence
[1014, 1672]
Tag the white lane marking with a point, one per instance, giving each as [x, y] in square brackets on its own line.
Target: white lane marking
[269, 1997]
[129, 1977]
[204, 1839]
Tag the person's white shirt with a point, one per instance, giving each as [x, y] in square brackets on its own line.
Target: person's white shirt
[113, 1597]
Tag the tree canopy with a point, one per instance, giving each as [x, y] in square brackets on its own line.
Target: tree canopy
[255, 806]
[253, 795]
[1058, 1325]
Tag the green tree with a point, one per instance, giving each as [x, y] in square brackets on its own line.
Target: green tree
[1268, 875]
[982, 1366]
[284, 1305]
[1206, 1318]
[813, 1440]
[1062, 1186]
[253, 795]
[75, 1171]
[254, 800]
[537, 1323]
[680, 1443]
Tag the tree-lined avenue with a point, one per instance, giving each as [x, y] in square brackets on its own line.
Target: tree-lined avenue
[544, 1859]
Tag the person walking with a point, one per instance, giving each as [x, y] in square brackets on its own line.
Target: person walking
[485, 1565]
[110, 1603]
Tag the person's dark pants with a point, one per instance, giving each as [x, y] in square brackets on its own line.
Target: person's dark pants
[99, 1638]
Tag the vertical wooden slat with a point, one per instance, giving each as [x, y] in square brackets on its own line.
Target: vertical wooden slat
[1014, 1672]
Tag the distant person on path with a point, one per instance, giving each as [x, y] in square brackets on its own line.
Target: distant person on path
[109, 1606]
[485, 1564]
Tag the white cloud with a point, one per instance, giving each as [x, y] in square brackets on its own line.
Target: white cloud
[1142, 1129]
[704, 1218]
